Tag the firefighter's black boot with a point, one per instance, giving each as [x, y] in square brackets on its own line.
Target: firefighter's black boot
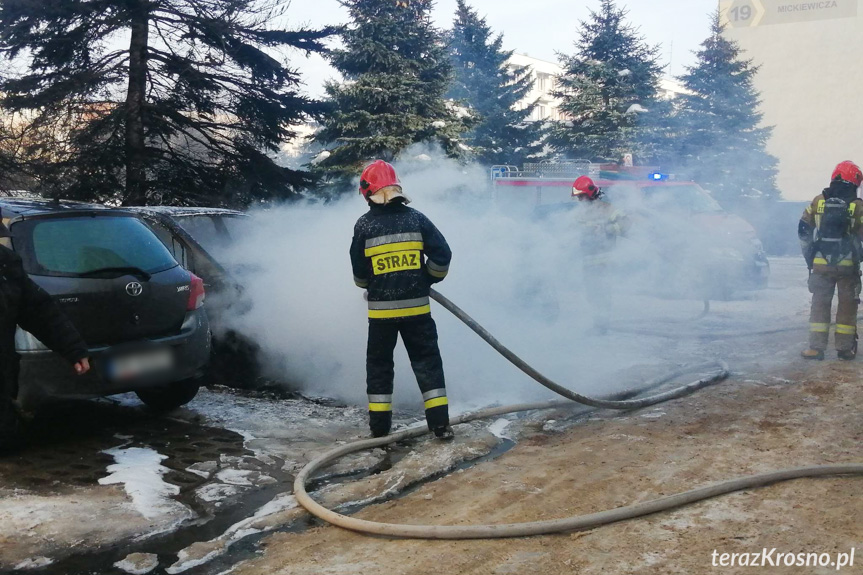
[848, 354]
[380, 422]
[444, 433]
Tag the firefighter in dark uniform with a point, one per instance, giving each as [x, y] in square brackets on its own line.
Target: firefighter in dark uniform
[25, 304]
[830, 231]
[396, 255]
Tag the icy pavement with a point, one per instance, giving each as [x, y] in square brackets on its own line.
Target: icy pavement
[107, 475]
[138, 563]
[260, 522]
[140, 471]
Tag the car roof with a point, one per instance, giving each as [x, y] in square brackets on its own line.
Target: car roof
[29, 207]
[186, 211]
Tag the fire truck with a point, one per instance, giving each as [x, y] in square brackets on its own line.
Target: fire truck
[682, 220]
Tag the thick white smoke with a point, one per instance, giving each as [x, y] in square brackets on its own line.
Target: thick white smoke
[519, 275]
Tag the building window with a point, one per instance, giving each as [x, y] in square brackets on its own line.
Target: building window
[541, 112]
[541, 80]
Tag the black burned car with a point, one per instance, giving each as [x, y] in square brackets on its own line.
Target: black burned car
[139, 311]
[197, 237]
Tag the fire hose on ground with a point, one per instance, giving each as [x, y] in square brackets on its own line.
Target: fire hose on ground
[622, 401]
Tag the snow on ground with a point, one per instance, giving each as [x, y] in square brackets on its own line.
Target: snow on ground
[498, 428]
[53, 525]
[249, 526]
[216, 493]
[286, 428]
[244, 477]
[33, 563]
[140, 471]
[138, 563]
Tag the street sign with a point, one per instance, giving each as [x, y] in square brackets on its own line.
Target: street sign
[752, 13]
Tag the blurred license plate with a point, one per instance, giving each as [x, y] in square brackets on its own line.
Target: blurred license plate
[141, 363]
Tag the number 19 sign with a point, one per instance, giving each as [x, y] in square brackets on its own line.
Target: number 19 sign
[751, 13]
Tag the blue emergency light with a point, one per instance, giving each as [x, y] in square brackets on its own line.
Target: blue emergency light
[657, 177]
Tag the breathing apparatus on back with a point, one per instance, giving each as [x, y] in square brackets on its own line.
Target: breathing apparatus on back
[835, 213]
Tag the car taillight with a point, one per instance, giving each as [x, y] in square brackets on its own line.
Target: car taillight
[196, 293]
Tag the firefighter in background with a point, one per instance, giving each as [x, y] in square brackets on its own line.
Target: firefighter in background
[397, 254]
[831, 230]
[601, 225]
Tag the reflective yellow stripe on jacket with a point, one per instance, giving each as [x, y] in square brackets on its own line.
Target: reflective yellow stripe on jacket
[393, 243]
[399, 308]
[436, 270]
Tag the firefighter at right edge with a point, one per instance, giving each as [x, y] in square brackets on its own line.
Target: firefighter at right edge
[831, 230]
[397, 254]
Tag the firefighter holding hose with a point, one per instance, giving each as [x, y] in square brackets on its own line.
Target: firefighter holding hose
[831, 231]
[396, 255]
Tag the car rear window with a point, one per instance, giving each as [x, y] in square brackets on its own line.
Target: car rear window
[72, 246]
[202, 228]
[237, 226]
[214, 232]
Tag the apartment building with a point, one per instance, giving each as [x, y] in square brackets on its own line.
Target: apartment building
[810, 55]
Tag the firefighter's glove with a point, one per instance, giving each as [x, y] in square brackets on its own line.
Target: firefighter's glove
[366, 295]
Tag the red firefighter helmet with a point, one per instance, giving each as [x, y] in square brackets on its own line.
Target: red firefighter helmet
[584, 188]
[376, 176]
[848, 171]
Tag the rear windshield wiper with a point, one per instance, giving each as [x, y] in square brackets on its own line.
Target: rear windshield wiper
[131, 270]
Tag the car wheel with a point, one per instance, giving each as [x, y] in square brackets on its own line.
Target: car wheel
[11, 427]
[170, 397]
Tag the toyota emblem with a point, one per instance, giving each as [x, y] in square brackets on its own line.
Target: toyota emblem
[134, 289]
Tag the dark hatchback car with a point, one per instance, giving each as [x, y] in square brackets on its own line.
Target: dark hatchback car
[139, 311]
[198, 237]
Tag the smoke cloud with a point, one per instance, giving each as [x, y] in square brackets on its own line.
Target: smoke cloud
[517, 270]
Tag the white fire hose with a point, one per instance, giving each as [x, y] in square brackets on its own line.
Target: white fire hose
[616, 401]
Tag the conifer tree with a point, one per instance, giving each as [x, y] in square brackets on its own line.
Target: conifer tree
[189, 110]
[396, 73]
[722, 144]
[609, 91]
[493, 89]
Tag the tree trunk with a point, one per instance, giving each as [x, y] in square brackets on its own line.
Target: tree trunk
[136, 155]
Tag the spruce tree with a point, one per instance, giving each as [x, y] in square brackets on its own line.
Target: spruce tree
[396, 73]
[609, 91]
[190, 110]
[722, 144]
[9, 154]
[486, 83]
